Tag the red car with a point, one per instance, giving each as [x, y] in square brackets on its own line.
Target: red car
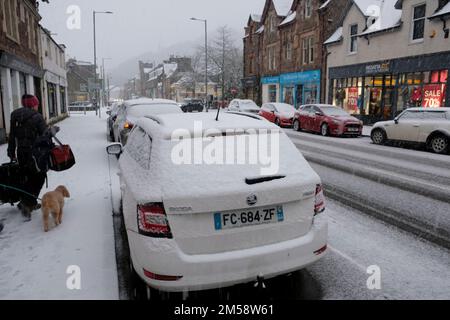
[281, 114]
[327, 120]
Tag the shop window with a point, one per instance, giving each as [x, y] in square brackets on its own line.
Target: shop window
[353, 38]
[289, 95]
[418, 22]
[311, 93]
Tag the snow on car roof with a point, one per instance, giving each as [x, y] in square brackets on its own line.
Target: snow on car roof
[168, 123]
[430, 109]
[148, 101]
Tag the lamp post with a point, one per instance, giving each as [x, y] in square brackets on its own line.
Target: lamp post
[95, 62]
[206, 59]
[104, 80]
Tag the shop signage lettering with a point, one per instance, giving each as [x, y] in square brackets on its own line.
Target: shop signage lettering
[378, 68]
[352, 102]
[433, 96]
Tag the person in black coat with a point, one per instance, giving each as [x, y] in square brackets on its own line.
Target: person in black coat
[26, 125]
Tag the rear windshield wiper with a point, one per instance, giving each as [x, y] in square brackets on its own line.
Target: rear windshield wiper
[251, 181]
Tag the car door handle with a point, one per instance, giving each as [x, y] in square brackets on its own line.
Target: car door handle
[416, 126]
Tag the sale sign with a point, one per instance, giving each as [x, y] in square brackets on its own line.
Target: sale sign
[433, 95]
[352, 99]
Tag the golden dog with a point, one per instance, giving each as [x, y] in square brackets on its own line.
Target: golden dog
[53, 203]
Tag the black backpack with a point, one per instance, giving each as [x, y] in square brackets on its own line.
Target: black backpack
[41, 151]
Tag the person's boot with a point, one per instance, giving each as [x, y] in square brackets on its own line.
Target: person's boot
[25, 210]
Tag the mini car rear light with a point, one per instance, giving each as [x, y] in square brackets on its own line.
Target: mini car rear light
[321, 250]
[128, 125]
[319, 204]
[152, 221]
[160, 277]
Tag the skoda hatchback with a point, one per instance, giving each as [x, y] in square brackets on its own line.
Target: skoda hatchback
[202, 212]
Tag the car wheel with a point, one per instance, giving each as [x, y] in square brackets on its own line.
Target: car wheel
[378, 137]
[439, 144]
[296, 126]
[277, 122]
[324, 130]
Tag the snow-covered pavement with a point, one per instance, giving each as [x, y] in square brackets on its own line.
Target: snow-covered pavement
[34, 264]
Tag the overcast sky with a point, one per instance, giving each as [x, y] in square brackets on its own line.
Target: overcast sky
[139, 26]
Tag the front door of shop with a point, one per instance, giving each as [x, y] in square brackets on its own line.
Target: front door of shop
[298, 96]
[388, 102]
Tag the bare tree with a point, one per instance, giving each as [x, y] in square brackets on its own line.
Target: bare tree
[226, 60]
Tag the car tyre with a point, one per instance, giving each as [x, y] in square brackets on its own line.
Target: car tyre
[277, 122]
[324, 130]
[378, 137]
[296, 126]
[439, 144]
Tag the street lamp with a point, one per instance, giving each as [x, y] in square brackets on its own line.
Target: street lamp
[206, 59]
[104, 80]
[95, 61]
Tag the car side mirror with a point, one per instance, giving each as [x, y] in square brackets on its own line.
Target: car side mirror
[396, 120]
[108, 112]
[114, 149]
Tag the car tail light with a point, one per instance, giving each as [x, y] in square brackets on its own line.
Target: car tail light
[128, 125]
[319, 204]
[161, 277]
[152, 221]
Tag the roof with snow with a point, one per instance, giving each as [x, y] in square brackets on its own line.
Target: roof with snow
[290, 18]
[170, 68]
[335, 37]
[370, 7]
[445, 11]
[282, 7]
[388, 17]
[260, 30]
[256, 17]
[324, 5]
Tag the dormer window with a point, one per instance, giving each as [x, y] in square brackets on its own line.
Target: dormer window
[418, 22]
[273, 24]
[308, 8]
[353, 38]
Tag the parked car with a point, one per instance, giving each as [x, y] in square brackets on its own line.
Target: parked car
[234, 226]
[327, 120]
[112, 116]
[130, 111]
[281, 114]
[244, 106]
[426, 126]
[190, 105]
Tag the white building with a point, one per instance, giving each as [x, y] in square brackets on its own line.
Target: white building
[54, 83]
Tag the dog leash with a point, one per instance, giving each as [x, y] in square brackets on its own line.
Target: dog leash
[21, 191]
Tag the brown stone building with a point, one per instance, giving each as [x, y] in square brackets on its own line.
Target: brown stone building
[20, 66]
[284, 56]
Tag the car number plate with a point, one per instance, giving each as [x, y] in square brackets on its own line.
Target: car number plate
[251, 217]
[353, 129]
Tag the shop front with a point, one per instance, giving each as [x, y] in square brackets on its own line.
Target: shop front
[381, 90]
[300, 88]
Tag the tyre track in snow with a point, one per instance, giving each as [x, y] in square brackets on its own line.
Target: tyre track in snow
[406, 188]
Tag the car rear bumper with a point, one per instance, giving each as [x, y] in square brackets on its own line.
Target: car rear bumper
[209, 271]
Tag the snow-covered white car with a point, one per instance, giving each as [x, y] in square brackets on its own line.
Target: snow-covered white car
[201, 226]
[132, 110]
[240, 105]
[429, 126]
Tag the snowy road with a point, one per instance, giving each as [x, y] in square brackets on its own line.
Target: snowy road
[410, 188]
[33, 264]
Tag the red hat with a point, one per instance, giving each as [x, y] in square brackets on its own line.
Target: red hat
[29, 101]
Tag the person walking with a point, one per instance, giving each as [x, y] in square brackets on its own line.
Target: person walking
[27, 124]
